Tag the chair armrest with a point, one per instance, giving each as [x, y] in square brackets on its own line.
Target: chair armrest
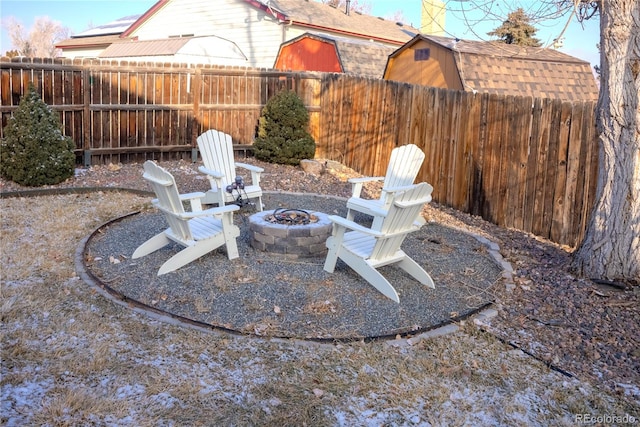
[195, 199]
[255, 172]
[248, 167]
[345, 223]
[365, 179]
[214, 174]
[191, 196]
[356, 183]
[210, 212]
[424, 200]
[397, 189]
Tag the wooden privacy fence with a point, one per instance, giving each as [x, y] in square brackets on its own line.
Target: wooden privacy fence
[124, 112]
[519, 162]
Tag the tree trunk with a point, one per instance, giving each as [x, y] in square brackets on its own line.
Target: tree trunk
[611, 247]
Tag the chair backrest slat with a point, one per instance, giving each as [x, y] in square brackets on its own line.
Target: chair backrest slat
[404, 165]
[167, 198]
[216, 149]
[405, 209]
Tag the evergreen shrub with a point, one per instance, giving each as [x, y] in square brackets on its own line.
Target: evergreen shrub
[33, 151]
[283, 135]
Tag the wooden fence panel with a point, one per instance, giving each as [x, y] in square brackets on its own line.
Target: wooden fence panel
[332, 144]
[558, 224]
[470, 140]
[404, 114]
[429, 142]
[590, 166]
[418, 112]
[478, 183]
[518, 162]
[518, 140]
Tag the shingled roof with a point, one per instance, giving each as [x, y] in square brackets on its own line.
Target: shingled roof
[323, 16]
[495, 67]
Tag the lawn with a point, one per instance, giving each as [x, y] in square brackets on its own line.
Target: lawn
[72, 357]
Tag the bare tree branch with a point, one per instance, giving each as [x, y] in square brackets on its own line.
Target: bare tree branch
[40, 40]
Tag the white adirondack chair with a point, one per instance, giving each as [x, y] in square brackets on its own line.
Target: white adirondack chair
[216, 149]
[404, 165]
[366, 249]
[200, 231]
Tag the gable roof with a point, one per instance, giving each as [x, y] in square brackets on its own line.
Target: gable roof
[362, 57]
[495, 67]
[318, 16]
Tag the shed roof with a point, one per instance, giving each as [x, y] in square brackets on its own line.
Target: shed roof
[144, 48]
[204, 47]
[362, 57]
[495, 67]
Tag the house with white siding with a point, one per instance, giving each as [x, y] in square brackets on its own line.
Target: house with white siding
[230, 32]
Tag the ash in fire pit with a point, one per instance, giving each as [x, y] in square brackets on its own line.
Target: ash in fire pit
[291, 217]
[294, 233]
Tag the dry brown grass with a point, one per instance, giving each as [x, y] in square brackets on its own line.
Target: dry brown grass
[71, 357]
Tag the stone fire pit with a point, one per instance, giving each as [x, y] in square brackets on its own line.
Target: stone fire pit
[293, 233]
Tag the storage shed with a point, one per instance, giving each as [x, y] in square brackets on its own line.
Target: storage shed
[493, 67]
[318, 52]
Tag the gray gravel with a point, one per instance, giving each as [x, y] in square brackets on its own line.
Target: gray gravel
[264, 294]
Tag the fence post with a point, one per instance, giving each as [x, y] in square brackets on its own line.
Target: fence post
[195, 88]
[86, 117]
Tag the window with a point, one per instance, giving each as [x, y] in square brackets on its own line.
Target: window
[421, 54]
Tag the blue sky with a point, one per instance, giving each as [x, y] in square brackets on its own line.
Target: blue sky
[81, 15]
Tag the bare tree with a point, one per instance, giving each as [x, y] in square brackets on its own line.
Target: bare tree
[40, 40]
[611, 247]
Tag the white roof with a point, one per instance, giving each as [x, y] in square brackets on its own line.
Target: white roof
[118, 26]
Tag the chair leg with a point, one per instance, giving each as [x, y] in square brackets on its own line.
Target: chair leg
[332, 255]
[371, 275]
[153, 244]
[232, 248]
[187, 255]
[417, 272]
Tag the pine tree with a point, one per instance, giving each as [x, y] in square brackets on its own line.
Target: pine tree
[34, 151]
[283, 135]
[517, 30]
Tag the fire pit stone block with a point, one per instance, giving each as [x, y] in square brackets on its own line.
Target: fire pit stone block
[292, 241]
